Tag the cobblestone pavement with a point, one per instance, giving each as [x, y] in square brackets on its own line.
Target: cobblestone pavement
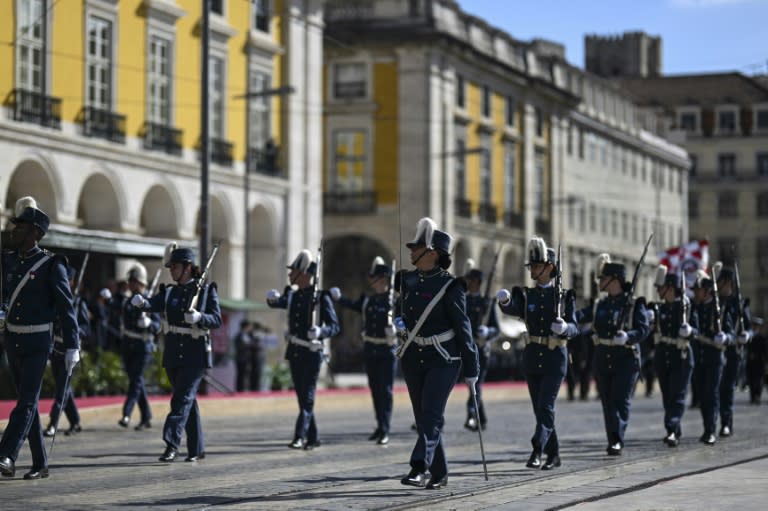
[248, 465]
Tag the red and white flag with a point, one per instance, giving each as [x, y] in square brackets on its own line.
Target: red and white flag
[687, 259]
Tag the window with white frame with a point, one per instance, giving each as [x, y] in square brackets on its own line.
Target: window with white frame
[350, 80]
[98, 82]
[510, 188]
[689, 122]
[761, 119]
[762, 164]
[510, 108]
[259, 112]
[726, 164]
[539, 122]
[461, 101]
[538, 184]
[216, 97]
[486, 179]
[217, 7]
[159, 81]
[350, 160]
[261, 15]
[461, 168]
[486, 102]
[30, 39]
[592, 218]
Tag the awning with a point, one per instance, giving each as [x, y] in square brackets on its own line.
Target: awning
[242, 305]
[106, 242]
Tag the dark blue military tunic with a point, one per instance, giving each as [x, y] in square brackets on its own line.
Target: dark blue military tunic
[477, 309]
[28, 340]
[64, 397]
[137, 344]
[186, 357]
[378, 349]
[734, 357]
[673, 361]
[545, 358]
[710, 360]
[616, 367]
[305, 356]
[431, 363]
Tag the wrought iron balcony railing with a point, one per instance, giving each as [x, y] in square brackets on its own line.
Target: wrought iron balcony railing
[30, 106]
[103, 124]
[159, 137]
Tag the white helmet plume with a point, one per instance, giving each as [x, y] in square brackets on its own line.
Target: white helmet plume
[169, 248]
[377, 261]
[602, 260]
[469, 266]
[661, 275]
[425, 229]
[716, 268]
[24, 203]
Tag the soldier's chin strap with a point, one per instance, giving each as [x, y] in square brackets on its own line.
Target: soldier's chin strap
[536, 278]
[426, 249]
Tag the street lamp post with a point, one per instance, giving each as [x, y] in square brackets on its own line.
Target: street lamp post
[205, 218]
[280, 91]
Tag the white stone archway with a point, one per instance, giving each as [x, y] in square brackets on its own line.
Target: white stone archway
[512, 271]
[98, 206]
[30, 177]
[262, 253]
[159, 216]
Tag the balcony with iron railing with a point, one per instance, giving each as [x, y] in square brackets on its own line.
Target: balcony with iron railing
[265, 160]
[30, 106]
[343, 202]
[158, 137]
[514, 220]
[542, 226]
[221, 151]
[487, 212]
[463, 207]
[103, 124]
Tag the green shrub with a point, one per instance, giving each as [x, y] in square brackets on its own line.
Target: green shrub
[281, 376]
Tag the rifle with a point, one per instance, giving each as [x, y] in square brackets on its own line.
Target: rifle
[718, 319]
[487, 296]
[559, 283]
[391, 293]
[203, 277]
[739, 302]
[317, 290]
[631, 291]
[154, 285]
[683, 296]
[3, 307]
[79, 283]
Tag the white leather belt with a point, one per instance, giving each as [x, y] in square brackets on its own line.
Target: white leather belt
[138, 335]
[680, 344]
[185, 330]
[29, 329]
[58, 338]
[609, 342]
[435, 341]
[378, 340]
[310, 345]
[550, 342]
[711, 342]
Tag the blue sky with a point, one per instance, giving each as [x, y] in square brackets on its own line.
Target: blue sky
[697, 35]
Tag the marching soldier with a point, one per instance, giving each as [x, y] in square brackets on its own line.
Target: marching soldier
[187, 346]
[438, 340]
[619, 323]
[734, 348]
[757, 356]
[545, 357]
[64, 397]
[137, 342]
[478, 307]
[35, 292]
[378, 346]
[675, 322]
[709, 344]
[305, 340]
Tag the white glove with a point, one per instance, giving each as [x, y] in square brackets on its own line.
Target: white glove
[390, 330]
[559, 326]
[621, 338]
[743, 337]
[720, 338]
[192, 316]
[273, 295]
[650, 315]
[685, 331]
[71, 358]
[316, 345]
[314, 332]
[399, 325]
[143, 322]
[482, 332]
[503, 296]
[105, 293]
[138, 301]
[492, 331]
[472, 382]
[335, 293]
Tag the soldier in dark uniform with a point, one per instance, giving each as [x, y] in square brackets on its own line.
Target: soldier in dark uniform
[438, 340]
[378, 343]
[137, 343]
[243, 350]
[545, 357]
[35, 293]
[675, 322]
[734, 348]
[305, 341]
[710, 339]
[485, 328]
[187, 347]
[64, 397]
[619, 323]
[757, 356]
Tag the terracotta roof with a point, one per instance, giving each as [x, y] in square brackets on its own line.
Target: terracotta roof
[700, 89]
